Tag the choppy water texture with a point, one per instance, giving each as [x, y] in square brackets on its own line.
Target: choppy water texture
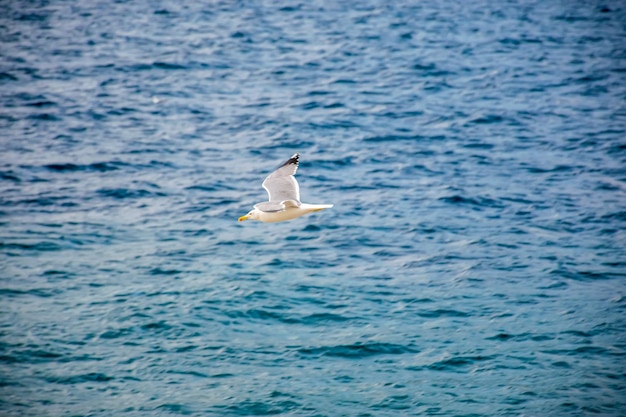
[474, 263]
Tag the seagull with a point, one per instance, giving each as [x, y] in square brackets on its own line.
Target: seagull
[284, 196]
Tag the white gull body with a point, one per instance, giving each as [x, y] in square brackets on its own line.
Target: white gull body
[284, 196]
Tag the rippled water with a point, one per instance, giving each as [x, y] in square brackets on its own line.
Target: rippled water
[474, 262]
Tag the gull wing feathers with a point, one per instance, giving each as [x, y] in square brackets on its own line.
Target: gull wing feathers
[281, 185]
[270, 206]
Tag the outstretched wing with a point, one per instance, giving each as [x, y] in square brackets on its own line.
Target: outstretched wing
[281, 184]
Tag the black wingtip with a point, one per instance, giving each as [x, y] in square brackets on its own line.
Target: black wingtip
[294, 160]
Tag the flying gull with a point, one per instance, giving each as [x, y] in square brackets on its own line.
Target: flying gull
[284, 196]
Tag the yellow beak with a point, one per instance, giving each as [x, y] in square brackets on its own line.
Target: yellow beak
[242, 218]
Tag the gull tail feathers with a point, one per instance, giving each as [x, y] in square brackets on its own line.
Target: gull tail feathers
[315, 207]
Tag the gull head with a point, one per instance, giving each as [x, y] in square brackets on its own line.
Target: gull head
[253, 215]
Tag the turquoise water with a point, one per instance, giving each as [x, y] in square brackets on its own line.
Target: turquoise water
[474, 262]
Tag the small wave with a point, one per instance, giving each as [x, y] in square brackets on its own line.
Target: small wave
[501, 337]
[155, 65]
[258, 408]
[318, 318]
[157, 326]
[478, 201]
[430, 69]
[96, 166]
[456, 362]
[172, 408]
[561, 364]
[9, 176]
[30, 356]
[262, 314]
[492, 119]
[442, 313]
[583, 275]
[44, 117]
[391, 138]
[557, 168]
[42, 103]
[5, 76]
[162, 271]
[43, 246]
[79, 379]
[127, 193]
[479, 145]
[358, 350]
[583, 351]
[336, 124]
[116, 333]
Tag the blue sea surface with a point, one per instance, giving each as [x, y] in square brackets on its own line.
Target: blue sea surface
[474, 262]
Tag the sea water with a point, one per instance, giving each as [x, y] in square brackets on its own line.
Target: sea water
[473, 264]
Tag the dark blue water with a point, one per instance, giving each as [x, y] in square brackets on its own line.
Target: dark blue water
[474, 263]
